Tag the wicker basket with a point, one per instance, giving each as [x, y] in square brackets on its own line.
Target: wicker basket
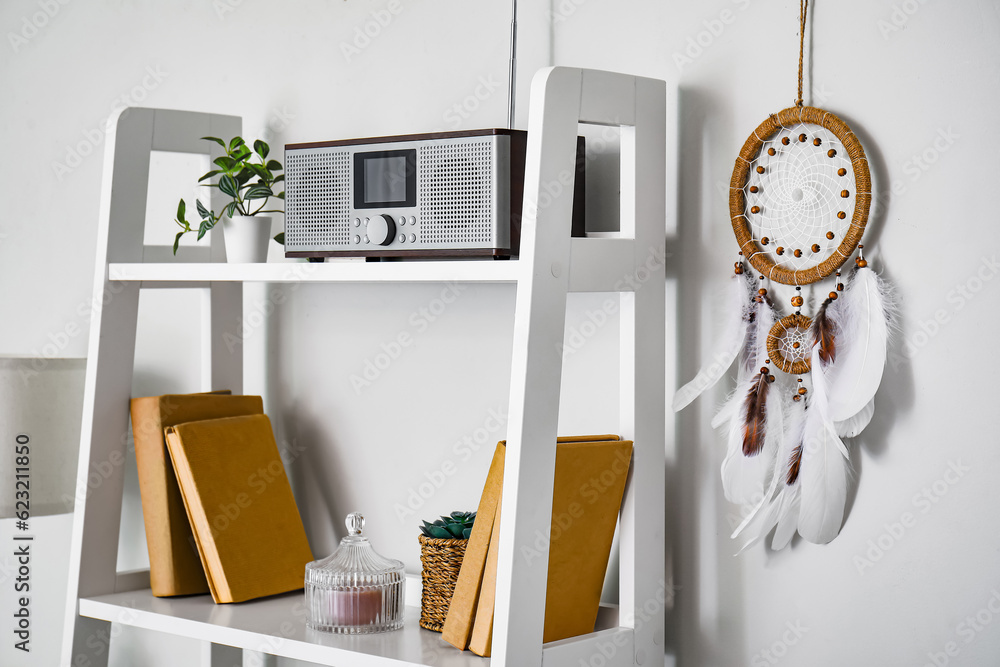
[441, 561]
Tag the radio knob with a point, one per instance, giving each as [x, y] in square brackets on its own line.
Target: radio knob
[381, 229]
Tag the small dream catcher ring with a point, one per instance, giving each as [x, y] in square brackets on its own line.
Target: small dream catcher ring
[789, 344]
[800, 195]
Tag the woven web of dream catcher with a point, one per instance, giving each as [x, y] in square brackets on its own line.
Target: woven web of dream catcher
[802, 205]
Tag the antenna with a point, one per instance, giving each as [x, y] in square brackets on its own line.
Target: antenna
[512, 75]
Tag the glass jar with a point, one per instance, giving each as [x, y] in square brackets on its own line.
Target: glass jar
[354, 590]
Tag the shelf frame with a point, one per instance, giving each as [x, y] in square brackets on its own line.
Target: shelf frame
[552, 264]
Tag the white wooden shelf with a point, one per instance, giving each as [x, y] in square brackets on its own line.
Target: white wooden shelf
[551, 264]
[276, 626]
[597, 264]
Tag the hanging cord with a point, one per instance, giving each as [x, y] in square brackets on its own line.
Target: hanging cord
[803, 8]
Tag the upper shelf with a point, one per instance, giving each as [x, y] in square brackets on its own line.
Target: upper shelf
[598, 264]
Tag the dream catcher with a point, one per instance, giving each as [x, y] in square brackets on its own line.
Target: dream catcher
[808, 363]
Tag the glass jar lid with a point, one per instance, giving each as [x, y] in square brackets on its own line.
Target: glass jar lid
[355, 563]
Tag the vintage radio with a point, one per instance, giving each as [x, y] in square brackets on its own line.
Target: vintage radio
[451, 194]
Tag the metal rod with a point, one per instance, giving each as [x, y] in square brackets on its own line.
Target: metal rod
[512, 75]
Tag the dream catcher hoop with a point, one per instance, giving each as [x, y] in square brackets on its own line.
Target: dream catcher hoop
[799, 200]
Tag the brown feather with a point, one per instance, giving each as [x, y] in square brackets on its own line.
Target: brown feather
[824, 331]
[793, 465]
[756, 416]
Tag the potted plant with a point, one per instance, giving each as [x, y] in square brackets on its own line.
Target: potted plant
[250, 180]
[442, 548]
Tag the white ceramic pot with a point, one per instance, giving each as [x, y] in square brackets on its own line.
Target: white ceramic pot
[247, 238]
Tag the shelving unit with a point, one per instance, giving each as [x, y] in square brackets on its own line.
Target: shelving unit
[551, 265]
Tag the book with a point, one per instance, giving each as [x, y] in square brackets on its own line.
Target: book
[174, 565]
[245, 521]
[482, 631]
[464, 601]
[590, 474]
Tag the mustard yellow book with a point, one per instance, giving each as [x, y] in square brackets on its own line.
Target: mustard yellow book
[589, 482]
[481, 641]
[246, 524]
[174, 565]
[464, 601]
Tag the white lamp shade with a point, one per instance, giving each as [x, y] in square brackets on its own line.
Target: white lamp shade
[41, 399]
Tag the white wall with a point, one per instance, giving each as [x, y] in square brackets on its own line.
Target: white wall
[903, 91]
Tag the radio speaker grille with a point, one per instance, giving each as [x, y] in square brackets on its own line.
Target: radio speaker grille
[457, 191]
[317, 199]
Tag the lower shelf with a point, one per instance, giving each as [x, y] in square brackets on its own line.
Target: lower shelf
[276, 625]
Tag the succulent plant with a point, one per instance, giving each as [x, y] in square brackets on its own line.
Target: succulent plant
[457, 526]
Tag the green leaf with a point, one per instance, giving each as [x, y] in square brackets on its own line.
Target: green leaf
[244, 176]
[216, 140]
[280, 238]
[230, 209]
[235, 143]
[259, 192]
[274, 165]
[227, 163]
[425, 532]
[278, 179]
[262, 148]
[456, 530]
[202, 211]
[203, 229]
[280, 195]
[467, 533]
[440, 533]
[242, 153]
[210, 174]
[181, 208]
[229, 185]
[177, 241]
[260, 170]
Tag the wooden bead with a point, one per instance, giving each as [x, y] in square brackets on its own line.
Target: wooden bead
[755, 209]
[762, 291]
[862, 263]
[760, 170]
[831, 153]
[764, 240]
[797, 252]
[841, 172]
[754, 188]
[817, 141]
[815, 247]
[829, 235]
[763, 370]
[796, 398]
[796, 345]
[840, 287]
[841, 215]
[770, 378]
[738, 269]
[780, 250]
[771, 151]
[796, 301]
[802, 137]
[845, 194]
[784, 140]
[833, 296]
[802, 391]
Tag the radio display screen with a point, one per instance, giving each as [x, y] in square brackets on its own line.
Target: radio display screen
[385, 179]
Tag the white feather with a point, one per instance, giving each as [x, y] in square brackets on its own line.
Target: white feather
[863, 315]
[849, 428]
[731, 342]
[773, 444]
[782, 509]
[743, 476]
[754, 355]
[820, 400]
[823, 478]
